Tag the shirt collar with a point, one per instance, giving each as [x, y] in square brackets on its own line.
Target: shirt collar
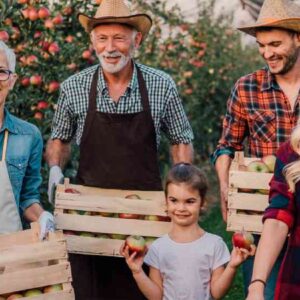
[132, 84]
[269, 81]
[8, 123]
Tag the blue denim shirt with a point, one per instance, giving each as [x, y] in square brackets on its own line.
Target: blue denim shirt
[23, 159]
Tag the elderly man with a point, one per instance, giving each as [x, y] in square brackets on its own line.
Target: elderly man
[21, 149]
[264, 106]
[116, 111]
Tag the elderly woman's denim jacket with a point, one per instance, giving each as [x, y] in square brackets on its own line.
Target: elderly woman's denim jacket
[23, 159]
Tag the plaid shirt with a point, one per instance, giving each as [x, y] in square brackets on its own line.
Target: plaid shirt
[285, 206]
[258, 110]
[166, 106]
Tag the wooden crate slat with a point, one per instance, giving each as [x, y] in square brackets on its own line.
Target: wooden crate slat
[252, 223]
[252, 180]
[112, 204]
[111, 225]
[24, 254]
[34, 278]
[94, 246]
[153, 195]
[245, 201]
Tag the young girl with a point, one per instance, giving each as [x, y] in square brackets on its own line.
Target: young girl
[187, 263]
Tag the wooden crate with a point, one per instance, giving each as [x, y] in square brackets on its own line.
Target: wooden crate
[95, 201]
[27, 263]
[245, 209]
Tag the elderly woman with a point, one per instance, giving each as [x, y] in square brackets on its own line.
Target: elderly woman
[20, 160]
[282, 217]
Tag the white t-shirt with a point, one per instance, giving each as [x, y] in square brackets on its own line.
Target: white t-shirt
[186, 268]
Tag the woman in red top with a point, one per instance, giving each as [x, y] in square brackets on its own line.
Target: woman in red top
[282, 217]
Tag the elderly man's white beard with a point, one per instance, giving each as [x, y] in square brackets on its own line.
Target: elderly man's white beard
[114, 68]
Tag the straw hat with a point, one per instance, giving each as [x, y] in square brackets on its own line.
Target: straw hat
[278, 14]
[116, 11]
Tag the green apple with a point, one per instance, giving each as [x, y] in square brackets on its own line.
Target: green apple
[269, 161]
[53, 288]
[136, 244]
[13, 297]
[102, 236]
[149, 240]
[87, 234]
[116, 236]
[32, 293]
[257, 166]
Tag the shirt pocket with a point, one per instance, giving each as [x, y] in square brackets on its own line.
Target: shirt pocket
[17, 170]
[263, 126]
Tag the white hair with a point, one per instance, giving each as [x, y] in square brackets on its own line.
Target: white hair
[10, 56]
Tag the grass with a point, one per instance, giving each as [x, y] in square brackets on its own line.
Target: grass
[212, 222]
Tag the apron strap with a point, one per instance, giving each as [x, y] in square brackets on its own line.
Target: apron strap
[4, 145]
[143, 90]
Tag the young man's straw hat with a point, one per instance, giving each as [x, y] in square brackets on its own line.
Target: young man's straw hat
[116, 11]
[278, 14]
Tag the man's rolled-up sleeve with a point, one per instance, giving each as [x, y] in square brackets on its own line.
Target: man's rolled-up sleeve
[234, 127]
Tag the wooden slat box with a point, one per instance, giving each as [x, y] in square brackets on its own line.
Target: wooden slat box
[94, 201]
[27, 263]
[245, 209]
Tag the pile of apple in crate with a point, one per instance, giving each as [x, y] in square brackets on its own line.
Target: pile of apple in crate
[248, 192]
[30, 268]
[97, 221]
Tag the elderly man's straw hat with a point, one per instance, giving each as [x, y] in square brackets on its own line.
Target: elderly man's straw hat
[116, 11]
[278, 14]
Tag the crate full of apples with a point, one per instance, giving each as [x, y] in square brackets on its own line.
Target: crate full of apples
[248, 192]
[30, 268]
[97, 221]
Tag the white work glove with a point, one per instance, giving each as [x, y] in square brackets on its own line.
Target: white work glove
[46, 221]
[55, 177]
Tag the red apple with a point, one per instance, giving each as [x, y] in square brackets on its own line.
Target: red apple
[32, 14]
[38, 115]
[53, 86]
[257, 166]
[69, 232]
[269, 161]
[16, 33]
[31, 59]
[53, 48]
[72, 191]
[32, 293]
[25, 13]
[86, 54]
[136, 244]
[43, 13]
[4, 36]
[42, 105]
[49, 24]
[36, 79]
[23, 1]
[37, 35]
[71, 66]
[69, 38]
[243, 239]
[44, 45]
[67, 10]
[57, 20]
[25, 81]
[98, 1]
[129, 216]
[52, 288]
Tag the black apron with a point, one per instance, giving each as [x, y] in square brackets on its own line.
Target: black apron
[117, 151]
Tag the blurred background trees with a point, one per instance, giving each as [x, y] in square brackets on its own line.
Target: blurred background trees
[204, 58]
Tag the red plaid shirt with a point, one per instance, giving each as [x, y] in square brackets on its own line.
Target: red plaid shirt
[285, 206]
[258, 110]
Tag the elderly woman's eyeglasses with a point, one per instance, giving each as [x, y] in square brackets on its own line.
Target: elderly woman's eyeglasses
[4, 74]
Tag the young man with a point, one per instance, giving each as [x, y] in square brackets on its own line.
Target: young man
[115, 110]
[263, 106]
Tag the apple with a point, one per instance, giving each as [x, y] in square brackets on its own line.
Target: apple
[128, 216]
[102, 236]
[49, 24]
[37, 35]
[86, 54]
[38, 115]
[57, 20]
[151, 218]
[116, 236]
[53, 48]
[71, 191]
[32, 14]
[23, 1]
[43, 13]
[36, 79]
[14, 296]
[25, 81]
[69, 38]
[106, 214]
[42, 105]
[87, 234]
[71, 66]
[32, 293]
[136, 244]
[4, 36]
[16, 33]
[31, 59]
[45, 45]
[52, 288]
[242, 239]
[269, 161]
[53, 86]
[149, 240]
[245, 190]
[262, 192]
[69, 232]
[25, 13]
[257, 166]
[67, 10]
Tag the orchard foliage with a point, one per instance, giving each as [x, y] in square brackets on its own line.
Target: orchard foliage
[204, 58]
